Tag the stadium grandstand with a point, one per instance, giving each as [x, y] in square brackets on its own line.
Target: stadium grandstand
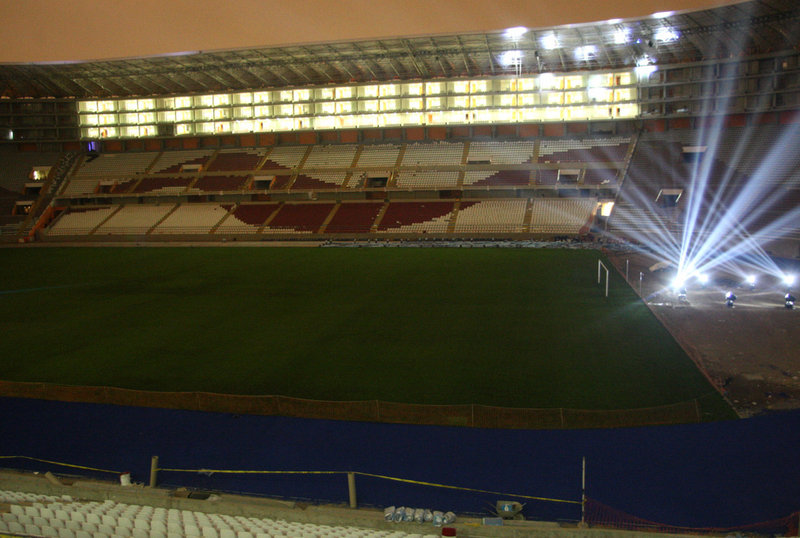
[660, 146]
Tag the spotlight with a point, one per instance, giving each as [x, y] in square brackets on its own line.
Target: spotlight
[788, 301]
[788, 280]
[730, 298]
[751, 281]
[703, 279]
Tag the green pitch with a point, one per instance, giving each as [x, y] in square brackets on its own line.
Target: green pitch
[506, 327]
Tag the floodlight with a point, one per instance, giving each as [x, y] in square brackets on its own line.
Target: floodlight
[788, 279]
[622, 36]
[511, 57]
[665, 34]
[703, 278]
[515, 33]
[550, 41]
[751, 281]
[662, 14]
[585, 53]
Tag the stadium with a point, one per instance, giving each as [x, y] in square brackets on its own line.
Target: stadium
[517, 270]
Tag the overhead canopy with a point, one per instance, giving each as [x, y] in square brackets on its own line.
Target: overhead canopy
[757, 26]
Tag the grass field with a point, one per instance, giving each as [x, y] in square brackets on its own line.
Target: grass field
[507, 327]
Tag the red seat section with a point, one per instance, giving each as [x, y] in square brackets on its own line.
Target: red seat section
[507, 177]
[400, 214]
[220, 183]
[166, 184]
[229, 161]
[354, 218]
[301, 217]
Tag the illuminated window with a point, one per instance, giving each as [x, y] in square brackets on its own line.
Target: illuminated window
[94, 132]
[243, 112]
[206, 127]
[478, 86]
[599, 81]
[622, 79]
[574, 97]
[286, 95]
[527, 99]
[129, 104]
[168, 103]
[622, 95]
[88, 106]
[166, 117]
[243, 126]
[434, 102]
[91, 119]
[371, 105]
[130, 131]
[391, 119]
[262, 111]
[328, 108]
[183, 102]
[414, 104]
[302, 95]
[147, 130]
[107, 132]
[478, 102]
[344, 93]
[414, 89]
[106, 106]
[344, 107]
[368, 120]
[147, 117]
[128, 118]
[301, 110]
[555, 98]
[507, 100]
[325, 122]
[107, 119]
[370, 91]
[433, 88]
[413, 118]
[222, 126]
[146, 104]
[573, 82]
[285, 110]
[388, 104]
[221, 113]
[261, 97]
[548, 81]
[243, 98]
[206, 100]
[599, 94]
[460, 86]
[460, 102]
[388, 90]
[326, 93]
[285, 124]
[183, 128]
[526, 84]
[206, 114]
[183, 115]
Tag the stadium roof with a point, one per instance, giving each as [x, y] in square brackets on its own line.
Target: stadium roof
[748, 28]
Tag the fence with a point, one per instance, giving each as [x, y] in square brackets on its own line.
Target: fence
[469, 415]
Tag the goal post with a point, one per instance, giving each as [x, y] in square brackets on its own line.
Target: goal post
[600, 266]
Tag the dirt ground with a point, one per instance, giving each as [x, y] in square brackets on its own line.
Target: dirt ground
[751, 352]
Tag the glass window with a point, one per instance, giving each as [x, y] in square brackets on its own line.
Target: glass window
[243, 112]
[478, 101]
[221, 113]
[183, 128]
[461, 86]
[344, 93]
[128, 104]
[146, 104]
[344, 107]
[478, 86]
[107, 119]
[206, 100]
[261, 97]
[326, 93]
[433, 88]
[414, 89]
[262, 111]
[147, 117]
[243, 126]
[183, 115]
[88, 106]
[166, 117]
[302, 95]
[370, 91]
[222, 100]
[286, 95]
[371, 105]
[434, 102]
[183, 102]
[207, 114]
[328, 108]
[388, 90]
[106, 106]
[414, 104]
[388, 104]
